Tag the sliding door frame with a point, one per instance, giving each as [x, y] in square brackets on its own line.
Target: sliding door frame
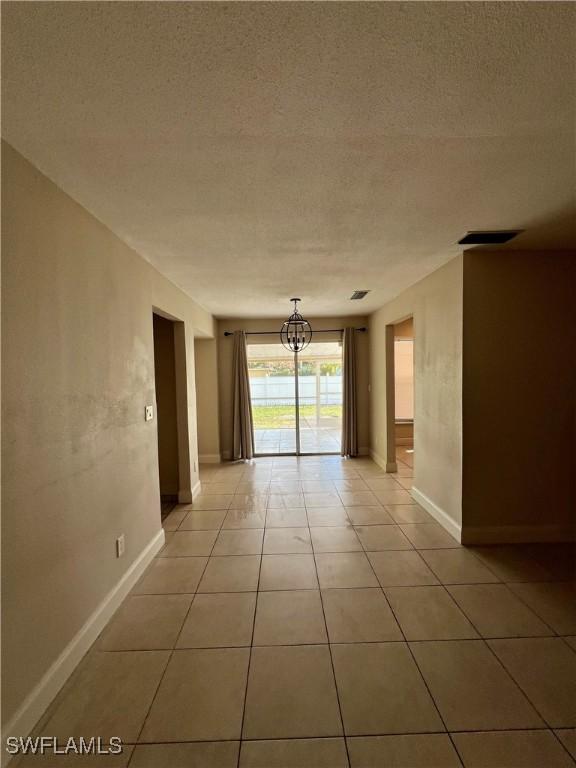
[298, 451]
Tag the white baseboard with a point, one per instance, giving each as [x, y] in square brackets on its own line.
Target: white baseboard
[518, 534]
[209, 458]
[197, 490]
[35, 704]
[387, 466]
[437, 513]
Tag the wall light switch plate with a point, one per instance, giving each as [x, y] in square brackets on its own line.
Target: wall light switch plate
[120, 546]
[149, 412]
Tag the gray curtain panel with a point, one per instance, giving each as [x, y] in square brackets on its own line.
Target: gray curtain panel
[349, 420]
[242, 426]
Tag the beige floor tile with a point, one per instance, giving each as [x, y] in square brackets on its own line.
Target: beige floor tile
[322, 500]
[383, 484]
[281, 487]
[358, 616]
[220, 489]
[429, 536]
[457, 566]
[288, 572]
[554, 603]
[279, 541]
[430, 750]
[146, 622]
[394, 497]
[285, 500]
[512, 563]
[568, 738]
[428, 613]
[369, 516]
[294, 753]
[335, 539]
[471, 688]
[129, 679]
[291, 694]
[236, 573]
[244, 518]
[210, 754]
[173, 520]
[344, 569]
[376, 538]
[545, 669]
[358, 499]
[239, 542]
[254, 486]
[409, 513]
[222, 620]
[201, 697]
[286, 518]
[167, 575]
[331, 516]
[369, 677]
[401, 569]
[496, 612]
[189, 543]
[252, 501]
[213, 501]
[318, 486]
[351, 484]
[203, 520]
[72, 760]
[289, 618]
[511, 749]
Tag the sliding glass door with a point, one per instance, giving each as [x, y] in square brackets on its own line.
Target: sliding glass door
[296, 398]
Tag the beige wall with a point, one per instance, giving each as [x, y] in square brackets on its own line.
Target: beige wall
[206, 356]
[436, 306]
[225, 370]
[80, 464]
[519, 394]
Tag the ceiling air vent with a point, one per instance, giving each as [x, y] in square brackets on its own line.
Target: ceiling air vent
[488, 237]
[357, 295]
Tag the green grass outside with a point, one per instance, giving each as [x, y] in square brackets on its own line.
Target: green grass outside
[276, 416]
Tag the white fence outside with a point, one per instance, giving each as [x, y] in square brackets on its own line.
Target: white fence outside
[280, 390]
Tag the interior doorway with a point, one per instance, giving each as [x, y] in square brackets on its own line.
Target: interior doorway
[404, 391]
[296, 398]
[400, 393]
[166, 412]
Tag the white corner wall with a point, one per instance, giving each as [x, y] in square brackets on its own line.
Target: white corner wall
[80, 463]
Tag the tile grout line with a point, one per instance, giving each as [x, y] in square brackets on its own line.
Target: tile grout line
[436, 705]
[344, 735]
[171, 654]
[241, 735]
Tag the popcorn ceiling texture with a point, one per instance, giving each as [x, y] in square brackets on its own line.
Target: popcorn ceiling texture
[254, 150]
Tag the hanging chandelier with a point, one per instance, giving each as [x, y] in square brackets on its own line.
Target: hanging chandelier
[296, 333]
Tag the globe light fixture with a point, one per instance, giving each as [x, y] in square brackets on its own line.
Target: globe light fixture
[296, 333]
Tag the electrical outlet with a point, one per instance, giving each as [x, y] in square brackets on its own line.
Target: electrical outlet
[149, 413]
[120, 546]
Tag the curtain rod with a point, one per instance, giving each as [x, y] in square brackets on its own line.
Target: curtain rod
[277, 333]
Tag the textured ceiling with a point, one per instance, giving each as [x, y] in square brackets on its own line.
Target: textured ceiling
[256, 151]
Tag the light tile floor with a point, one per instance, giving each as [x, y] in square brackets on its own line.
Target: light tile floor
[305, 613]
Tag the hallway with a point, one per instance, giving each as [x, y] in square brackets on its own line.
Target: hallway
[299, 601]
